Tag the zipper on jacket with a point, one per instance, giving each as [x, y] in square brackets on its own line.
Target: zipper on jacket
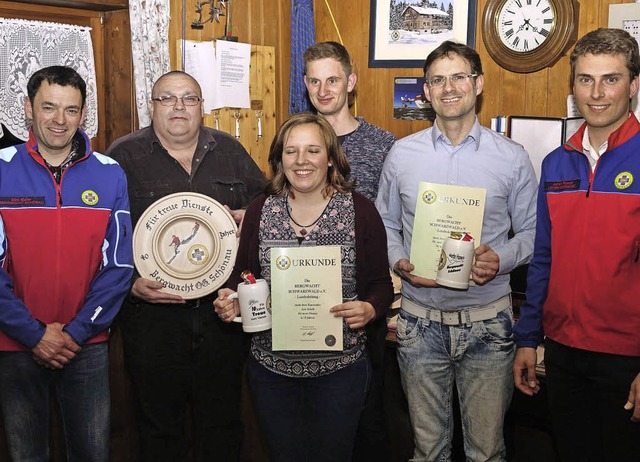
[592, 173]
[635, 260]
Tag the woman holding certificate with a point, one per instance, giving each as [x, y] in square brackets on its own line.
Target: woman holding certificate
[322, 248]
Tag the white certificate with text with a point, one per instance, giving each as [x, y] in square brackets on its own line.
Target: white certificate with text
[306, 282]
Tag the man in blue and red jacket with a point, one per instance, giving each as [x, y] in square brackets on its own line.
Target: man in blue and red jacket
[65, 234]
[584, 278]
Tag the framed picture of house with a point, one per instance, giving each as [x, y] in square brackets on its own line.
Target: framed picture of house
[403, 32]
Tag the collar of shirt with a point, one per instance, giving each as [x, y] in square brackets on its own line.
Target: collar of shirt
[473, 135]
[75, 154]
[629, 129]
[593, 154]
[206, 143]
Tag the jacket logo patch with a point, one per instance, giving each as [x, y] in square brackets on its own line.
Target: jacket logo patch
[8, 201]
[90, 197]
[567, 185]
[623, 180]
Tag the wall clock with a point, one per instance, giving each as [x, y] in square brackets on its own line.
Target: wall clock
[529, 35]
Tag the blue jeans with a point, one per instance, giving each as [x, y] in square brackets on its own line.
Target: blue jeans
[309, 419]
[82, 390]
[478, 358]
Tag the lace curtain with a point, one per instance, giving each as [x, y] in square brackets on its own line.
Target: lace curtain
[25, 47]
[150, 47]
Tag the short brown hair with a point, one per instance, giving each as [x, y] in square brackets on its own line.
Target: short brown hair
[449, 48]
[337, 174]
[607, 42]
[332, 50]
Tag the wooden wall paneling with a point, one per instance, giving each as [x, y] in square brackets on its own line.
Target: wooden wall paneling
[249, 27]
[589, 17]
[491, 98]
[257, 21]
[513, 101]
[536, 93]
[283, 55]
[558, 87]
[263, 102]
[99, 143]
[120, 107]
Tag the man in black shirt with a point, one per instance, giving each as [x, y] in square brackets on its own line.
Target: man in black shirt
[178, 353]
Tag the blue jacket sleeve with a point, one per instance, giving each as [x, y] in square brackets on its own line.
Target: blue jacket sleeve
[112, 282]
[528, 330]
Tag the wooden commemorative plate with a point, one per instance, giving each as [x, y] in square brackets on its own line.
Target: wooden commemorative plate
[186, 241]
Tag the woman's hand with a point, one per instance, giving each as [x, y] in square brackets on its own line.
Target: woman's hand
[226, 309]
[356, 314]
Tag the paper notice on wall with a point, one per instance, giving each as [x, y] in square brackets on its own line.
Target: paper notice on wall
[232, 69]
[572, 107]
[222, 72]
[200, 63]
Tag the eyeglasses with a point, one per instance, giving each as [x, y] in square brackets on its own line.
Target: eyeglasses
[455, 79]
[190, 100]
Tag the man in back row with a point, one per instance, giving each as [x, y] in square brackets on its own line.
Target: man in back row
[330, 81]
[179, 353]
[584, 278]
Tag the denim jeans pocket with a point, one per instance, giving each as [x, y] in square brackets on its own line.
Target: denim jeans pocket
[497, 333]
[407, 329]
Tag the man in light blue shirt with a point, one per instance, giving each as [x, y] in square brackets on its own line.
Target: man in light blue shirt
[448, 336]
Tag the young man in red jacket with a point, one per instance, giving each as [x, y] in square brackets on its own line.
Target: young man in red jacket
[584, 278]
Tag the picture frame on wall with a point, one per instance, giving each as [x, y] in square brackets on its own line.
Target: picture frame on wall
[402, 32]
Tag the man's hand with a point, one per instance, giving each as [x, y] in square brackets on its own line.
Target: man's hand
[403, 269]
[56, 348]
[633, 401]
[524, 371]
[356, 314]
[486, 266]
[150, 292]
[237, 215]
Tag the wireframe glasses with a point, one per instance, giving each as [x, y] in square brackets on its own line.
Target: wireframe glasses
[455, 79]
[190, 100]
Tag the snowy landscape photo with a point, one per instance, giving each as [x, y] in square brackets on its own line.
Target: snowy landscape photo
[404, 32]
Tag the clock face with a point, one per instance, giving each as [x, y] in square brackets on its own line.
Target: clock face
[524, 25]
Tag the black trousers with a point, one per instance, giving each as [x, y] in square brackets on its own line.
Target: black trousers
[185, 367]
[587, 393]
